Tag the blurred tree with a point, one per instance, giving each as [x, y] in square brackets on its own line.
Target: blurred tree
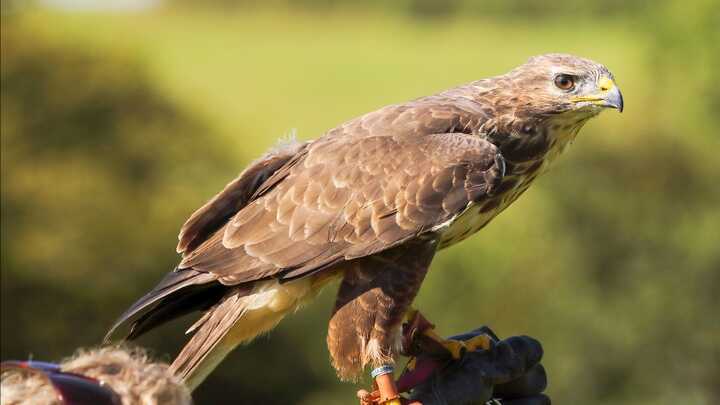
[441, 9]
[93, 161]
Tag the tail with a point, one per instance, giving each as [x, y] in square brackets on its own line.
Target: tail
[178, 293]
[240, 316]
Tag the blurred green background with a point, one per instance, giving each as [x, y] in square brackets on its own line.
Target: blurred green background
[119, 119]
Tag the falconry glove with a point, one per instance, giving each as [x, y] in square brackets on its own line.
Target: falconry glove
[508, 372]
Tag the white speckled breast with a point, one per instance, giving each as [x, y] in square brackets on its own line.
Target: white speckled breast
[472, 219]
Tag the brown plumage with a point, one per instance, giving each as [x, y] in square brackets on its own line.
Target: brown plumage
[369, 202]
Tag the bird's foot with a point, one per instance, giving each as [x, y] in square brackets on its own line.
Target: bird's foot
[458, 348]
[419, 336]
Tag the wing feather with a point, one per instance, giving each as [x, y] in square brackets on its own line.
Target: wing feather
[216, 212]
[337, 203]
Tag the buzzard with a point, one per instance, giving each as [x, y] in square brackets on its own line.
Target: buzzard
[369, 203]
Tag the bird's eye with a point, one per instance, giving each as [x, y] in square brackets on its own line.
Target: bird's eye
[565, 82]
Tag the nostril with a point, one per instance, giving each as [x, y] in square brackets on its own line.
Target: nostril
[605, 84]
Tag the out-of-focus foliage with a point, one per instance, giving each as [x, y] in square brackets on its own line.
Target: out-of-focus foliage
[442, 9]
[116, 126]
[95, 164]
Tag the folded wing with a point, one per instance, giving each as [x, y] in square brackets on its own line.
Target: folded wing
[349, 197]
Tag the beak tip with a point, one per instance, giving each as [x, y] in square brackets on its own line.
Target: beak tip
[615, 99]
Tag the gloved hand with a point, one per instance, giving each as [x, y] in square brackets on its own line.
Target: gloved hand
[508, 373]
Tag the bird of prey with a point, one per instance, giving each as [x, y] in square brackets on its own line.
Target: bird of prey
[369, 203]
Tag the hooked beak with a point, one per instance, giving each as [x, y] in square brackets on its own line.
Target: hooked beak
[609, 95]
[613, 98]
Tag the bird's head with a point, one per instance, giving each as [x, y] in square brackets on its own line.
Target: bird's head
[563, 84]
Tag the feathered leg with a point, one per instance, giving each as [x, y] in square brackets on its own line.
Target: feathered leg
[374, 295]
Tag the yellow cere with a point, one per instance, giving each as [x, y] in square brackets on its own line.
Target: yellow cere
[605, 84]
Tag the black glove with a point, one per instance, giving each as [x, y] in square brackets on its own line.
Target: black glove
[509, 373]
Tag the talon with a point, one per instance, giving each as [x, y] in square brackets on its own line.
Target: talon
[482, 342]
[419, 336]
[415, 325]
[456, 348]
